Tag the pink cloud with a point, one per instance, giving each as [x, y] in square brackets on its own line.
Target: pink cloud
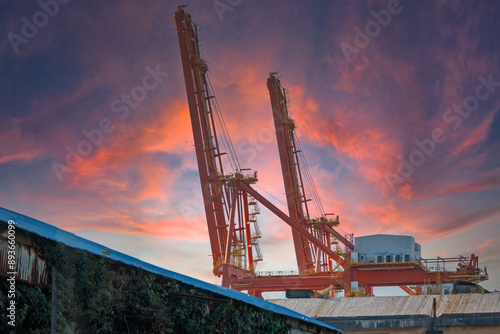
[17, 145]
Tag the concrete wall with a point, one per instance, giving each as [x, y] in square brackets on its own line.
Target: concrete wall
[388, 248]
[387, 331]
[422, 330]
[300, 327]
[471, 329]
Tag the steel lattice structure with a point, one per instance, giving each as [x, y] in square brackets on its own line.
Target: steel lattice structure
[230, 204]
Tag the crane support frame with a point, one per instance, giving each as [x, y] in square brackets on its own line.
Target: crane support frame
[235, 251]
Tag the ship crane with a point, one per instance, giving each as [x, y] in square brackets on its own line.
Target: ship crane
[231, 210]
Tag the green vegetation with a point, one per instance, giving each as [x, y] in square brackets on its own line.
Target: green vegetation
[99, 295]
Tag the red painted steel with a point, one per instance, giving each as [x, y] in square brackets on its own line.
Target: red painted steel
[308, 257]
[226, 220]
[195, 93]
[294, 196]
[293, 223]
[225, 198]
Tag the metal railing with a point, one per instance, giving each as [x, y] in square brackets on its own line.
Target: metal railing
[277, 273]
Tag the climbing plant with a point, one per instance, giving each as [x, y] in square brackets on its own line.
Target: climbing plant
[98, 295]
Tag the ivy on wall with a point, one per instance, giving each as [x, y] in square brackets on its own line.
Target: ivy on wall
[99, 295]
[32, 309]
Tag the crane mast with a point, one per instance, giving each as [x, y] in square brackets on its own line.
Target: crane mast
[205, 147]
[227, 209]
[294, 190]
[231, 209]
[309, 258]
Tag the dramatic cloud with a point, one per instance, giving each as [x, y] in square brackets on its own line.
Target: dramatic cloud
[396, 132]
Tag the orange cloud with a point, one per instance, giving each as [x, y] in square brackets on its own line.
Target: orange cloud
[488, 242]
[477, 135]
[17, 145]
[131, 148]
[124, 223]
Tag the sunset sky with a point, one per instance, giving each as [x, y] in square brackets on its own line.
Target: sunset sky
[397, 107]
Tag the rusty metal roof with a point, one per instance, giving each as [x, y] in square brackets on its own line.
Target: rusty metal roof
[393, 306]
[29, 267]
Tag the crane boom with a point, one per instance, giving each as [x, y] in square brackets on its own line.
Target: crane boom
[231, 209]
[309, 257]
[294, 189]
[227, 209]
[206, 150]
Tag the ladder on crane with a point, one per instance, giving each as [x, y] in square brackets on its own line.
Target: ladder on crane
[230, 203]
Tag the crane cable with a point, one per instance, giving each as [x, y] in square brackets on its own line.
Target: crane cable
[309, 180]
[235, 164]
[311, 185]
[226, 140]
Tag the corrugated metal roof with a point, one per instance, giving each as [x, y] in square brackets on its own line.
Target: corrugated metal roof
[396, 305]
[29, 266]
[51, 232]
[469, 303]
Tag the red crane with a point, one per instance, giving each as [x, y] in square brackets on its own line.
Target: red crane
[231, 204]
[309, 257]
[227, 207]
